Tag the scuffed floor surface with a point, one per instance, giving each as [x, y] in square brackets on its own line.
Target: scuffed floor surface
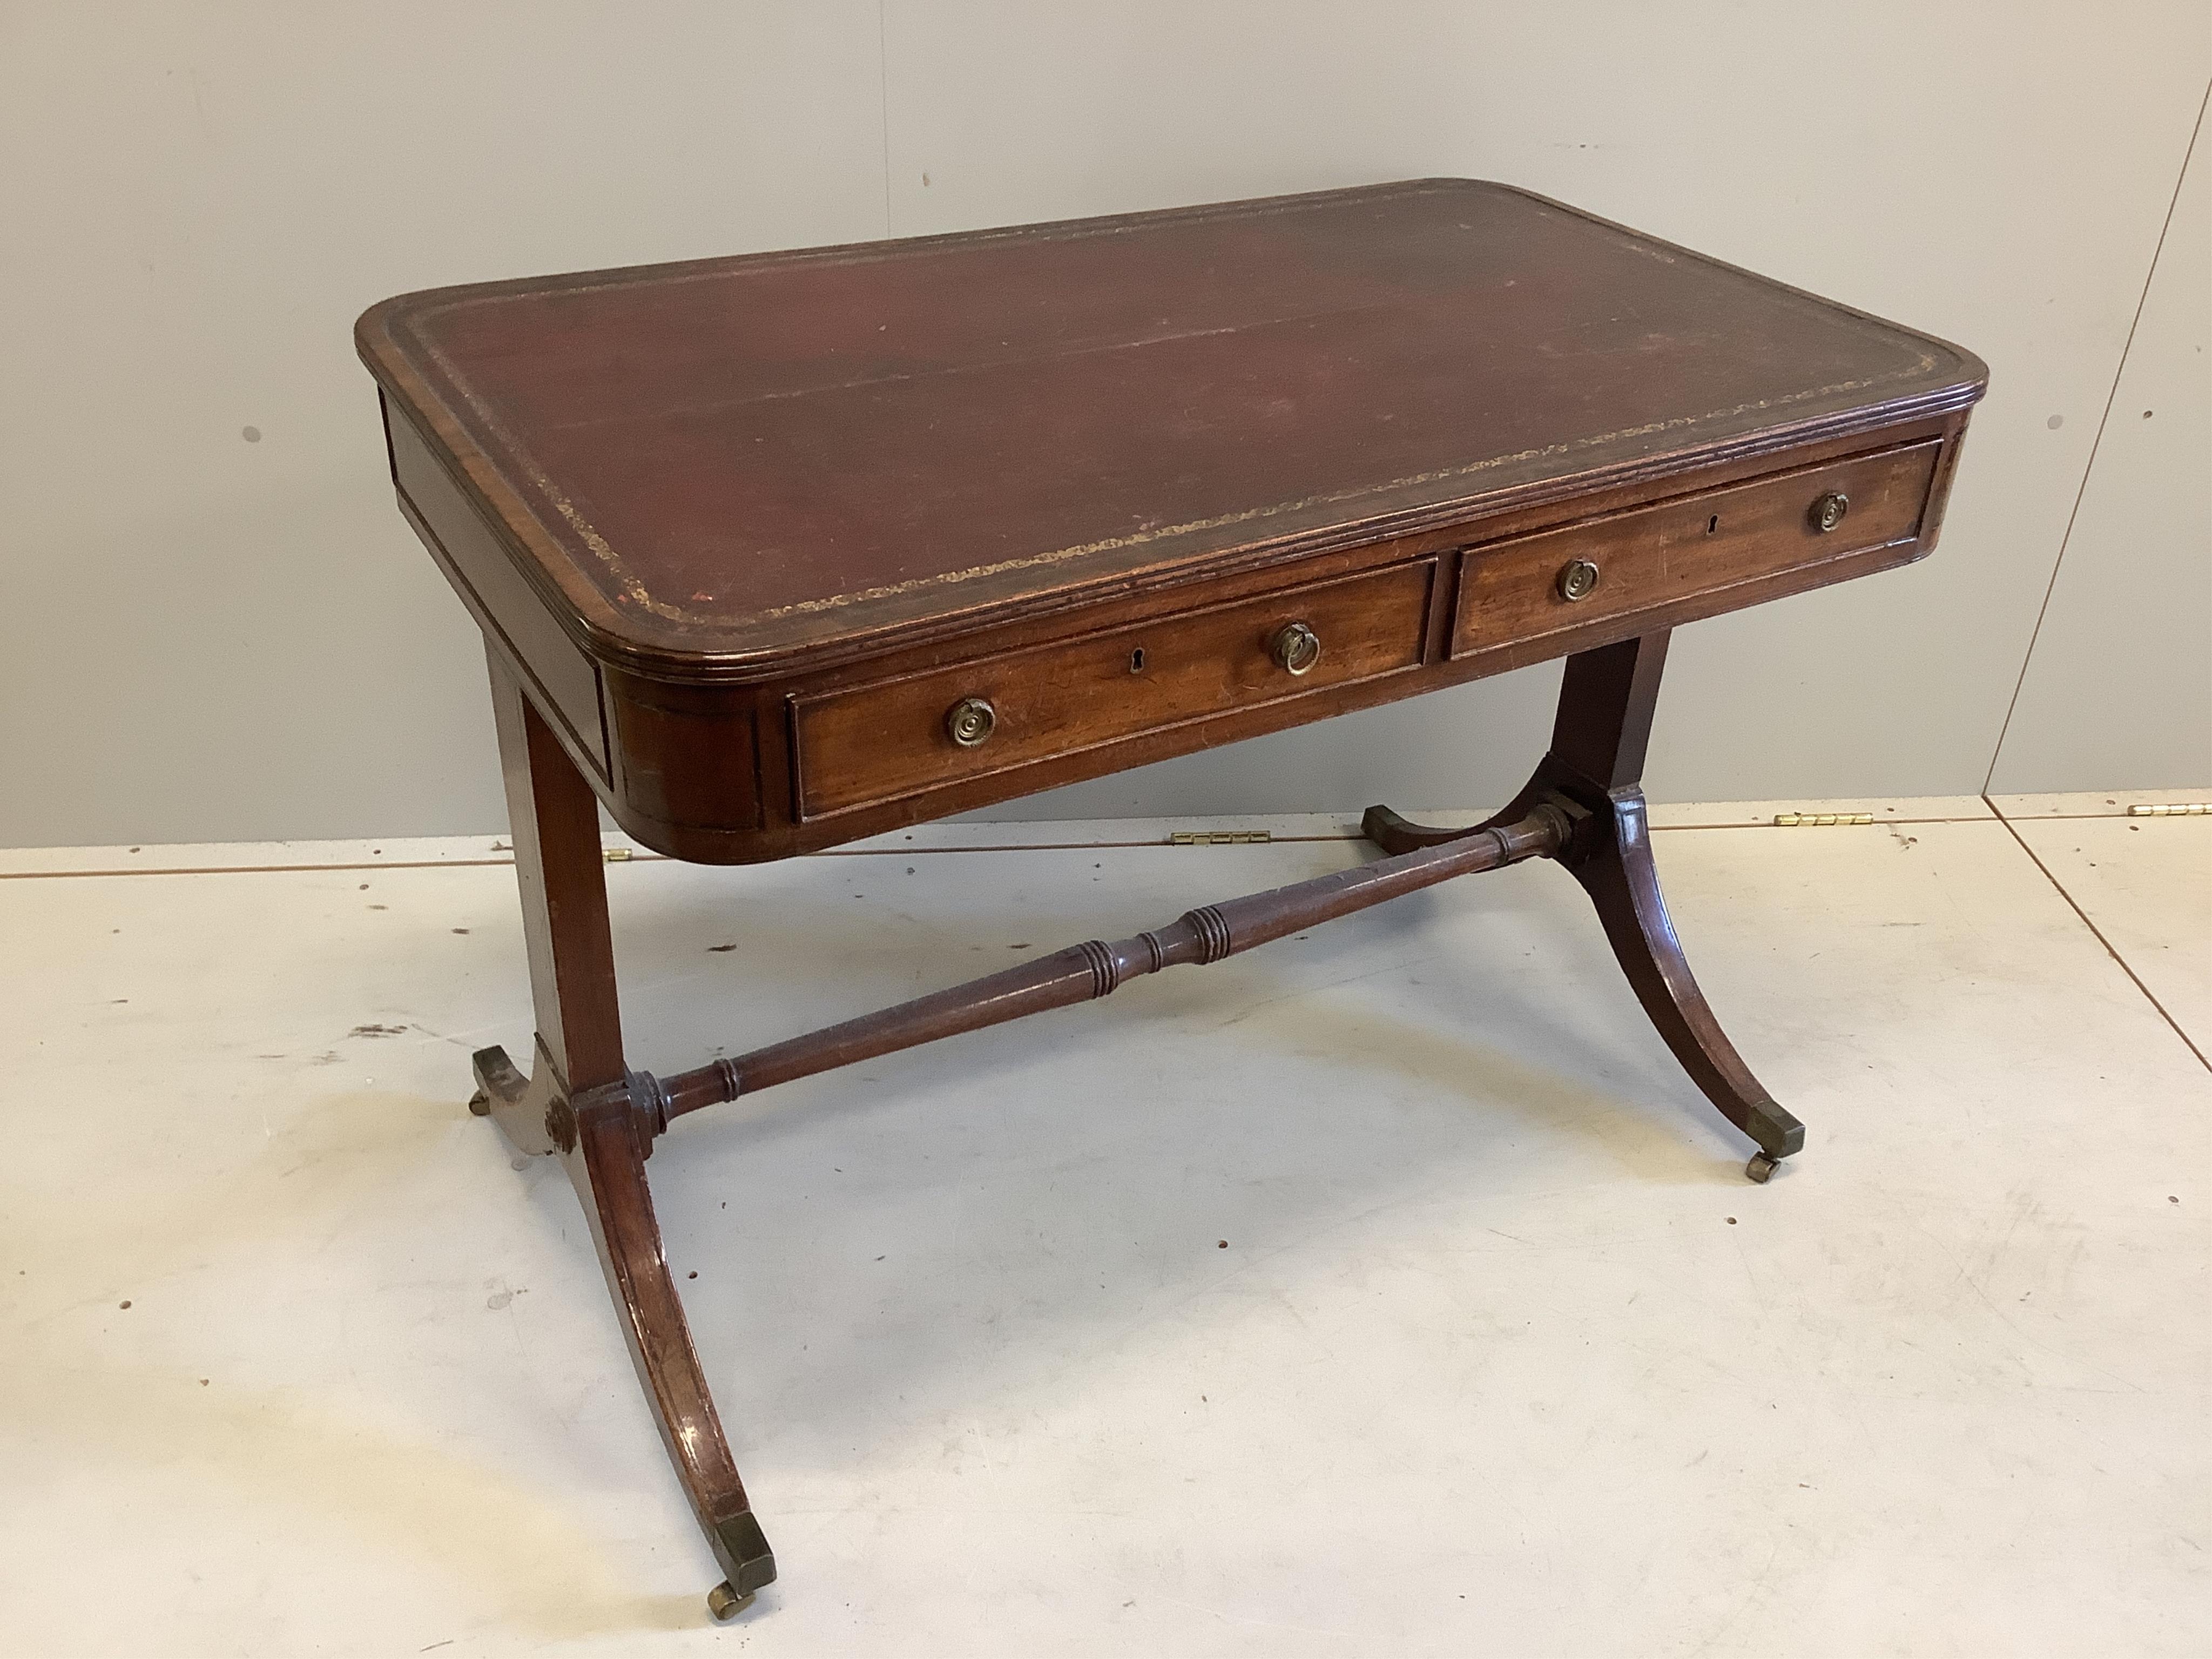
[1385, 1292]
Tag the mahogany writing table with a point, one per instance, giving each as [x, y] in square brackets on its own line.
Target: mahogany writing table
[774, 552]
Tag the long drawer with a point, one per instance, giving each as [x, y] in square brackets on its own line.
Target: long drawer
[1694, 546]
[864, 744]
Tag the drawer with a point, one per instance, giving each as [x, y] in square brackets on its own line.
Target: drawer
[863, 745]
[1513, 591]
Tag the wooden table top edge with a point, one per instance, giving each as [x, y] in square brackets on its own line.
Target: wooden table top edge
[547, 553]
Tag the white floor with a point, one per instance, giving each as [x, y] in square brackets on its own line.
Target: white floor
[1385, 1292]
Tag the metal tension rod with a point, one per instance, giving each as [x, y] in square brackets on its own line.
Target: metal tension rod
[1092, 968]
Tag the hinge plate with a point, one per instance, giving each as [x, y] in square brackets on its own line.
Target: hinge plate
[1219, 837]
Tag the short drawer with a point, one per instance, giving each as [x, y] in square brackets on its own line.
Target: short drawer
[1514, 591]
[860, 745]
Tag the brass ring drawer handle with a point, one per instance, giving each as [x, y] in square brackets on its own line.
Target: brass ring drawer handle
[970, 722]
[1577, 580]
[1295, 647]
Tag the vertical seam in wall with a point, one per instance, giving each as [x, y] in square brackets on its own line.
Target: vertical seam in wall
[2098, 933]
[883, 112]
[2089, 468]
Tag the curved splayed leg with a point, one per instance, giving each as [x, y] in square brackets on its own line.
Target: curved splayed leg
[1615, 869]
[1593, 772]
[582, 1104]
[1395, 834]
[1596, 760]
[608, 1168]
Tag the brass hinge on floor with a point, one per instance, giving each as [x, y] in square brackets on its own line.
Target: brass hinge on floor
[1217, 838]
[2195, 808]
[1810, 820]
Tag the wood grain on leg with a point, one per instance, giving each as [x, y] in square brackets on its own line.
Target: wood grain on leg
[581, 1102]
[1618, 876]
[608, 1167]
[1598, 745]
[1594, 772]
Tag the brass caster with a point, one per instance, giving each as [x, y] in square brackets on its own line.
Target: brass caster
[1761, 1167]
[480, 1104]
[726, 1603]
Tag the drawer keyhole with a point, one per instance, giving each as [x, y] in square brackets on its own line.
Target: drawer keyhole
[1577, 580]
[1137, 660]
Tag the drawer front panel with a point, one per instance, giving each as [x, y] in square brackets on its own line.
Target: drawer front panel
[870, 744]
[1514, 591]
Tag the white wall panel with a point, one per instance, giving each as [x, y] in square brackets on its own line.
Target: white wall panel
[208, 637]
[2118, 693]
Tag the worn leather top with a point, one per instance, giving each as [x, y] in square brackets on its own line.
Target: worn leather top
[739, 458]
